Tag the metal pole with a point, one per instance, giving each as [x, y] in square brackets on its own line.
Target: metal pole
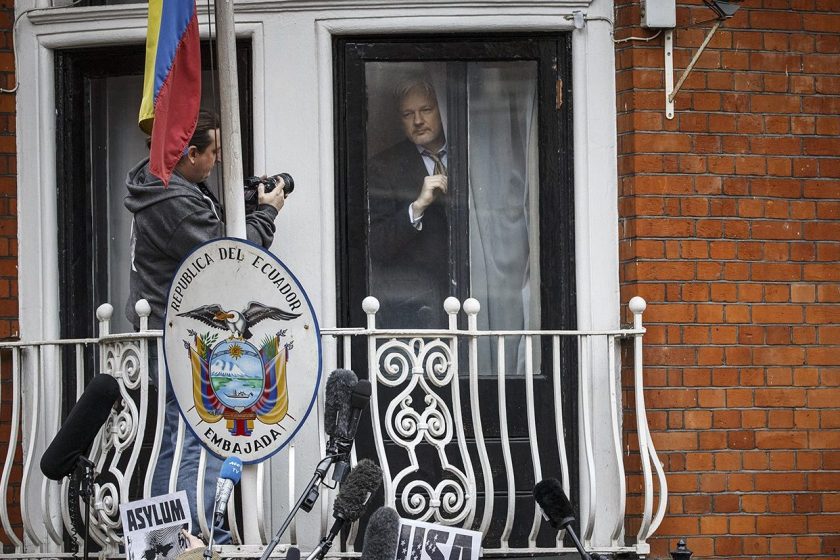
[231, 129]
[234, 201]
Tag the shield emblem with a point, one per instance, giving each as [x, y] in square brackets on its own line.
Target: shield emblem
[236, 373]
[242, 349]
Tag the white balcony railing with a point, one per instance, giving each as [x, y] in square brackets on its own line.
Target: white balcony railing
[483, 489]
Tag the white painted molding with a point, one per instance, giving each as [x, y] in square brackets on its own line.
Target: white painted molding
[50, 16]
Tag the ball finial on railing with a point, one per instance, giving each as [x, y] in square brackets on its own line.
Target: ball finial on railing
[451, 305]
[104, 312]
[471, 306]
[143, 308]
[370, 305]
[637, 305]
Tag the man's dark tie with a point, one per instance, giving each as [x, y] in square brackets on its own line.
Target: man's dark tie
[439, 169]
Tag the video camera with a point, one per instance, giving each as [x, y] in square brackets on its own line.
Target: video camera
[253, 183]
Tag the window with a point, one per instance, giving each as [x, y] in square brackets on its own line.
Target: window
[502, 230]
[494, 113]
[98, 99]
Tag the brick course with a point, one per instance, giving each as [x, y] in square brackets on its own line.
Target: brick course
[728, 226]
[8, 244]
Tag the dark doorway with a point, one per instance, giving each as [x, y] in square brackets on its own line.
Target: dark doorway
[499, 226]
[98, 94]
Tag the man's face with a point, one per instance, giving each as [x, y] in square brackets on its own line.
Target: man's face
[421, 120]
[205, 161]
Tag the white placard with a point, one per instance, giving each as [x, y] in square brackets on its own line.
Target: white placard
[153, 528]
[429, 541]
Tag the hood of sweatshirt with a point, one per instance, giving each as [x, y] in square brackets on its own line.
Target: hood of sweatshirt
[145, 189]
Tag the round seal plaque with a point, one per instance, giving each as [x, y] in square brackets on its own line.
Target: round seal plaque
[242, 348]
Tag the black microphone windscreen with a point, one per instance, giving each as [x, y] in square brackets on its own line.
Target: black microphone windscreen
[382, 535]
[337, 399]
[293, 553]
[359, 400]
[361, 394]
[362, 482]
[81, 426]
[552, 499]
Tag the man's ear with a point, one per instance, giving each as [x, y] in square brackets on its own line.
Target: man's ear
[192, 153]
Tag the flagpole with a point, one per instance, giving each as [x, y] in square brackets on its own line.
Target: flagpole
[234, 202]
[231, 129]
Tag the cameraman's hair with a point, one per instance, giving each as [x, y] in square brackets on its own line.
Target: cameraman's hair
[405, 87]
[208, 121]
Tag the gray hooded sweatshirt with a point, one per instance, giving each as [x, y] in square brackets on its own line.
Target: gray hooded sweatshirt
[168, 224]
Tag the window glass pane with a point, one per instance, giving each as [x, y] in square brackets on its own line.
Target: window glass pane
[118, 144]
[125, 145]
[503, 196]
[409, 262]
[452, 177]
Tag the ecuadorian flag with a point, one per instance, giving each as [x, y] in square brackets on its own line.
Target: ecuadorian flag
[172, 82]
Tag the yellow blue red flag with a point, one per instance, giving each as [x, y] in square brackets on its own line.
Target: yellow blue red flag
[172, 82]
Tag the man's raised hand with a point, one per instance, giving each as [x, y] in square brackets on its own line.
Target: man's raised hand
[433, 185]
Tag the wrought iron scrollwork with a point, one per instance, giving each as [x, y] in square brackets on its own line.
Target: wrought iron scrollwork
[423, 371]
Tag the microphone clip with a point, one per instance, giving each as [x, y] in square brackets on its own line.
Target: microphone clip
[339, 448]
[86, 470]
[312, 492]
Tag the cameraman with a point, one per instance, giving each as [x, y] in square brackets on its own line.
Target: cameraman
[169, 222]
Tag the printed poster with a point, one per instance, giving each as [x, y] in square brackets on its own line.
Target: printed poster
[153, 528]
[428, 541]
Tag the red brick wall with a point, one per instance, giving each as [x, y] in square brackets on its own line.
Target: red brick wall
[8, 243]
[729, 229]
[8, 179]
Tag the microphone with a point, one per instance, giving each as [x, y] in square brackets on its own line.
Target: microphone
[337, 399]
[382, 535]
[339, 411]
[359, 400]
[338, 414]
[78, 431]
[346, 433]
[229, 476]
[558, 510]
[352, 500]
[293, 553]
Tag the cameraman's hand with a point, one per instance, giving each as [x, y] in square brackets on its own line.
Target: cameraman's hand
[276, 198]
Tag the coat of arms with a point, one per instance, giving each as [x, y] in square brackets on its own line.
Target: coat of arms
[232, 378]
[235, 315]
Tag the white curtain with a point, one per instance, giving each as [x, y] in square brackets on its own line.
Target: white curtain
[503, 182]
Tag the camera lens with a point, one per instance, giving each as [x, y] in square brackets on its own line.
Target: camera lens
[289, 182]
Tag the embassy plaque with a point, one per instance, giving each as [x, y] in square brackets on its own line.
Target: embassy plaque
[242, 349]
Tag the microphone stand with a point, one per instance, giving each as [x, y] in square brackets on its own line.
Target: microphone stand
[88, 473]
[208, 552]
[326, 542]
[309, 495]
[571, 532]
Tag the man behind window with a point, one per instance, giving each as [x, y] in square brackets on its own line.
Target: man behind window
[168, 224]
[408, 238]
